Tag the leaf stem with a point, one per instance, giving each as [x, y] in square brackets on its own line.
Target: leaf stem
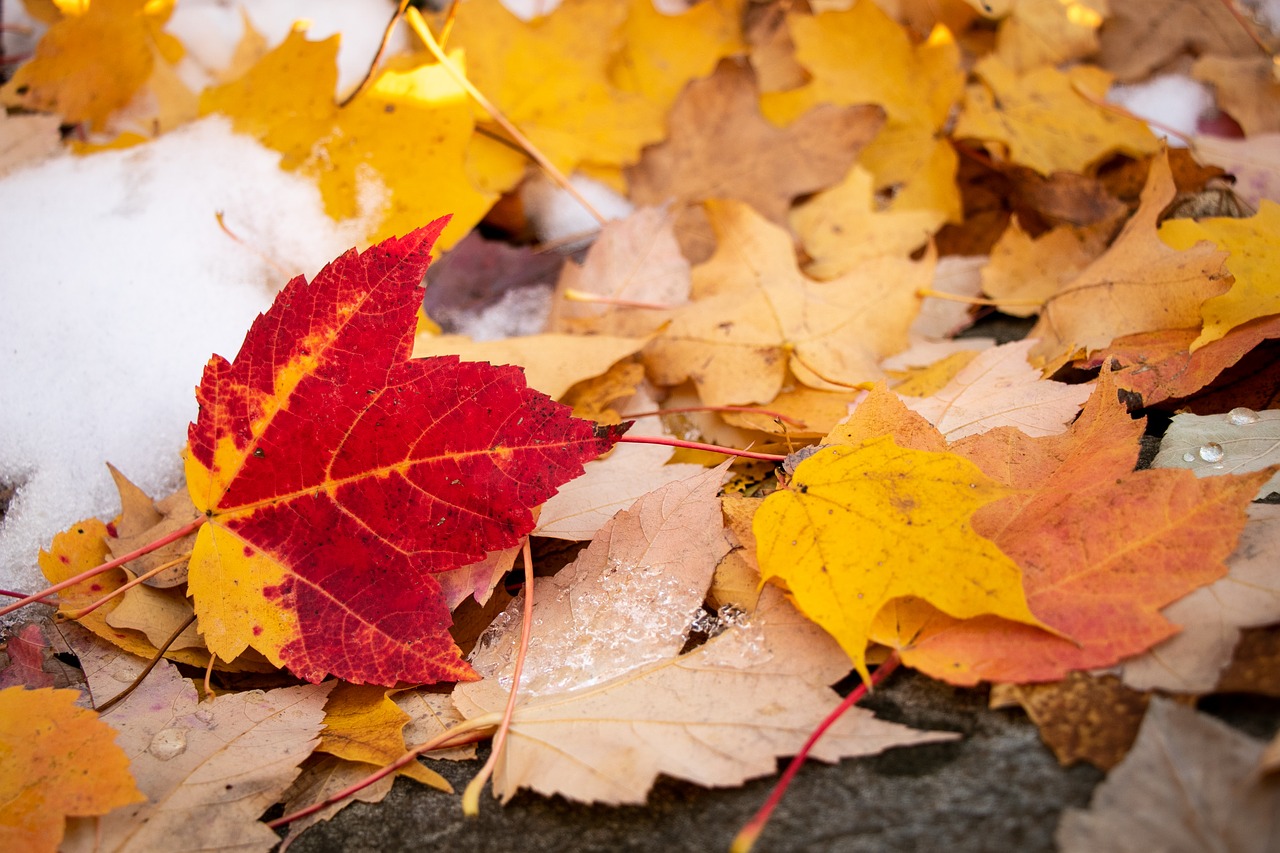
[160, 652]
[596, 299]
[173, 536]
[123, 588]
[929, 293]
[750, 410]
[471, 796]
[747, 836]
[11, 594]
[419, 26]
[697, 445]
[440, 741]
[377, 57]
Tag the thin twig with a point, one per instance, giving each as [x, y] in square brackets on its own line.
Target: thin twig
[123, 588]
[419, 26]
[377, 57]
[697, 445]
[124, 694]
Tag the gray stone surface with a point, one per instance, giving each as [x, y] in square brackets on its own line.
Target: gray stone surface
[997, 789]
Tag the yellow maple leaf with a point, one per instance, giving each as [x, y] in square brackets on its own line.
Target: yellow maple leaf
[755, 315]
[550, 77]
[859, 526]
[59, 761]
[362, 723]
[93, 60]
[1049, 32]
[1253, 243]
[661, 52]
[862, 56]
[840, 228]
[1041, 118]
[405, 138]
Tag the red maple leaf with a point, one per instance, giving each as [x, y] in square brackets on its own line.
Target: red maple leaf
[338, 474]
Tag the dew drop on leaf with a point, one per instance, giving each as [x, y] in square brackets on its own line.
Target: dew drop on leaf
[1188, 457]
[168, 743]
[1241, 416]
[1211, 452]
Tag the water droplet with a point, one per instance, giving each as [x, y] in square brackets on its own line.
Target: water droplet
[1188, 457]
[1212, 452]
[1241, 416]
[168, 743]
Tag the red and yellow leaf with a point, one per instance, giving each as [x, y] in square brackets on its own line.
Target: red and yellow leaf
[338, 475]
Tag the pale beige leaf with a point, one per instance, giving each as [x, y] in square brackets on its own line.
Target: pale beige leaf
[608, 485]
[1188, 785]
[627, 600]
[1254, 162]
[26, 140]
[1212, 617]
[716, 716]
[1236, 442]
[208, 769]
[552, 363]
[999, 388]
[636, 259]
[431, 714]
[942, 318]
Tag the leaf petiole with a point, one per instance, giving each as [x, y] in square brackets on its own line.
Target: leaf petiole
[173, 536]
[697, 445]
[747, 836]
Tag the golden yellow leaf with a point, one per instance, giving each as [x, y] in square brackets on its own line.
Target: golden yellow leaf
[59, 760]
[1253, 244]
[550, 77]
[859, 526]
[399, 149]
[1049, 32]
[664, 52]
[862, 56]
[362, 723]
[1040, 119]
[91, 63]
[755, 315]
[841, 227]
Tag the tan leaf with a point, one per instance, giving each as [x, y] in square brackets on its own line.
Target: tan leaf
[1138, 285]
[552, 363]
[209, 769]
[755, 315]
[636, 259]
[1024, 272]
[1246, 89]
[716, 716]
[1188, 785]
[720, 146]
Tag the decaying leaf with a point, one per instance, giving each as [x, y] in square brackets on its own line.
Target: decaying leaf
[298, 430]
[1190, 784]
[1081, 718]
[362, 723]
[60, 761]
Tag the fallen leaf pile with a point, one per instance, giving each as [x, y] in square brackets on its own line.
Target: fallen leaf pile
[1082, 516]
